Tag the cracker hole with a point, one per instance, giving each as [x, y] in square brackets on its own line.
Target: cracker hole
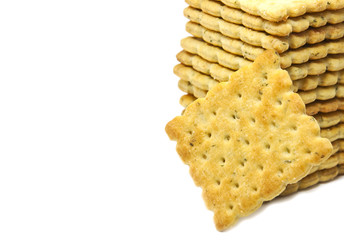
[253, 120]
[267, 146]
[218, 182]
[254, 188]
[222, 161]
[247, 142]
[294, 127]
[260, 167]
[189, 132]
[273, 124]
[280, 172]
[236, 185]
[287, 150]
[279, 102]
[204, 156]
[239, 95]
[227, 137]
[242, 163]
[208, 134]
[214, 113]
[308, 151]
[231, 207]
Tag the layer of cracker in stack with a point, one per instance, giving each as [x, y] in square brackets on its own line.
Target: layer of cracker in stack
[229, 34]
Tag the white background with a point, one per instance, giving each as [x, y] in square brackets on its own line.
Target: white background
[86, 88]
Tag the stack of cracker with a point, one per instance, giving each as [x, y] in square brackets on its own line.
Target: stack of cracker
[227, 35]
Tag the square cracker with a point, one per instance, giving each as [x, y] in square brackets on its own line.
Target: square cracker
[280, 10]
[297, 24]
[247, 140]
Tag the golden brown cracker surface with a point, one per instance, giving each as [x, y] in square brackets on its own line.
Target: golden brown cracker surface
[247, 140]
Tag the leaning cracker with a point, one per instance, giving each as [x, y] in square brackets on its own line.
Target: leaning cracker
[214, 54]
[297, 24]
[222, 74]
[239, 155]
[292, 56]
[281, 10]
[260, 39]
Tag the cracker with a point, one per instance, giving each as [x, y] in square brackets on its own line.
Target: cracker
[325, 106]
[281, 10]
[338, 146]
[238, 47]
[222, 74]
[240, 156]
[341, 169]
[260, 39]
[214, 54]
[332, 161]
[333, 133]
[285, 28]
[187, 87]
[204, 81]
[197, 79]
[315, 178]
[322, 93]
[186, 100]
[215, 70]
[329, 119]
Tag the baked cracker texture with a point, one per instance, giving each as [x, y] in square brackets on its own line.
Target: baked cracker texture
[280, 10]
[296, 24]
[247, 140]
